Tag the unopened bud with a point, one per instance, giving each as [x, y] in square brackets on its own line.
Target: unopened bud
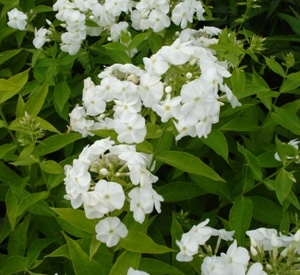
[253, 251]
[168, 89]
[103, 171]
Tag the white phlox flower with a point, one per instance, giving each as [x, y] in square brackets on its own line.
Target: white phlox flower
[213, 265]
[40, 37]
[261, 237]
[117, 29]
[143, 200]
[188, 246]
[17, 19]
[133, 131]
[201, 232]
[236, 259]
[77, 181]
[150, 89]
[256, 269]
[70, 43]
[168, 108]
[110, 230]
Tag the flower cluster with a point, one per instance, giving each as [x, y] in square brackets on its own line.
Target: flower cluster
[101, 179]
[268, 251]
[181, 82]
[82, 18]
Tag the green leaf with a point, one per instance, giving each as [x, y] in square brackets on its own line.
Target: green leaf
[61, 94]
[17, 242]
[292, 21]
[275, 66]
[178, 191]
[126, 260]
[118, 52]
[287, 120]
[81, 261]
[8, 54]
[187, 163]
[138, 39]
[62, 251]
[11, 207]
[240, 124]
[76, 218]
[30, 200]
[288, 85]
[240, 217]
[13, 265]
[217, 141]
[238, 81]
[266, 211]
[10, 87]
[219, 188]
[154, 266]
[56, 142]
[252, 162]
[141, 243]
[154, 42]
[36, 101]
[36, 248]
[284, 184]
[51, 167]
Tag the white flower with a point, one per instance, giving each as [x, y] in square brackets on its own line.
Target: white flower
[213, 265]
[110, 230]
[143, 200]
[236, 259]
[17, 19]
[188, 246]
[93, 100]
[70, 43]
[158, 20]
[156, 64]
[117, 29]
[131, 271]
[40, 37]
[168, 108]
[77, 180]
[111, 193]
[262, 237]
[201, 232]
[256, 269]
[223, 234]
[133, 131]
[150, 89]
[186, 126]
[178, 53]
[182, 13]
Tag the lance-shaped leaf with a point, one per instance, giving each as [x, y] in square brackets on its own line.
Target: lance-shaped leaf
[252, 162]
[284, 183]
[188, 163]
[287, 120]
[141, 243]
[82, 263]
[77, 219]
[240, 217]
[126, 260]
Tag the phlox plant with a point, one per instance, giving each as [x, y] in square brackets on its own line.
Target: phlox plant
[149, 137]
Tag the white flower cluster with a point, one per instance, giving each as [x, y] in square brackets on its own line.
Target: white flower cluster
[103, 177]
[268, 250]
[181, 82]
[82, 18]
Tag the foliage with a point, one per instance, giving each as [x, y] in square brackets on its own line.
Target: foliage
[242, 176]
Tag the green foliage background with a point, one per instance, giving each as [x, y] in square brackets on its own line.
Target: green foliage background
[231, 177]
